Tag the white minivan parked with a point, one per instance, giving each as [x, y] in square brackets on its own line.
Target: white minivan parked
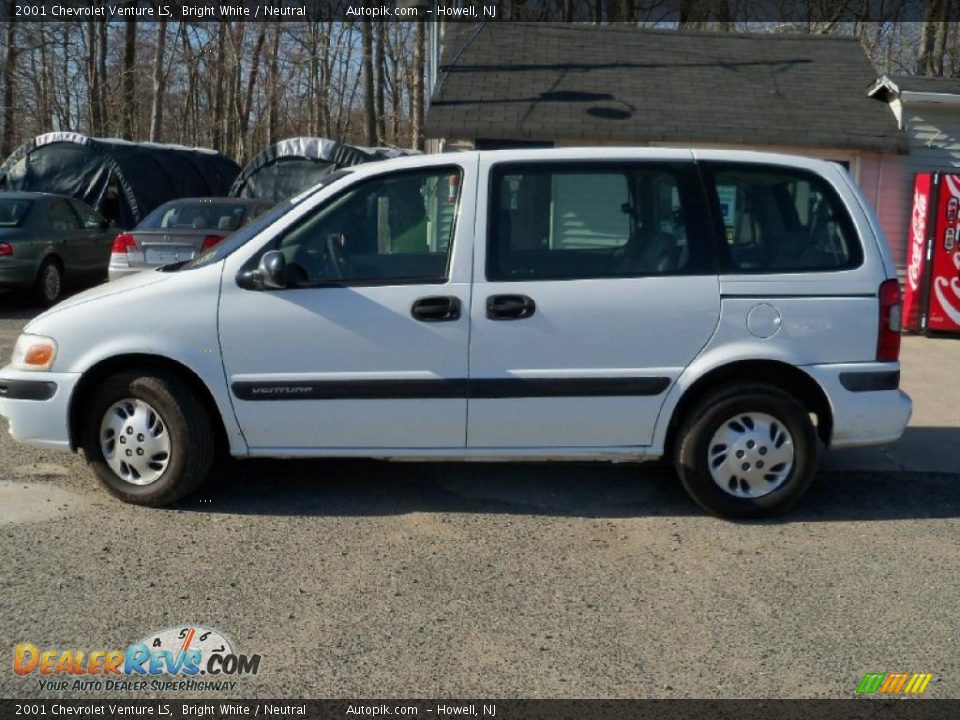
[733, 311]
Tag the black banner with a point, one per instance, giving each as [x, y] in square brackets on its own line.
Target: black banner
[821, 15]
[854, 709]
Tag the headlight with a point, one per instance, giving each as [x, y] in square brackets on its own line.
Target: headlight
[34, 352]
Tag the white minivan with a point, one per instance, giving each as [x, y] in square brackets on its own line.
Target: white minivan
[734, 312]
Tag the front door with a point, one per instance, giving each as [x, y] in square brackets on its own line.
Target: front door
[595, 288]
[368, 347]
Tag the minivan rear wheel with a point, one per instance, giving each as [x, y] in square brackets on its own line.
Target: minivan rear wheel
[747, 451]
[148, 437]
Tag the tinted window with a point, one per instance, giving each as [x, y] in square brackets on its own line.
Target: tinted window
[565, 221]
[391, 228]
[90, 218]
[196, 216]
[61, 217]
[12, 212]
[782, 220]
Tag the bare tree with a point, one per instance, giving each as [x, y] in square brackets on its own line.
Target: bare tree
[369, 107]
[9, 73]
[932, 37]
[128, 81]
[379, 70]
[416, 82]
[156, 112]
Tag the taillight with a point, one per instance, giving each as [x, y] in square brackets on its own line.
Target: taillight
[124, 242]
[6, 249]
[209, 241]
[888, 341]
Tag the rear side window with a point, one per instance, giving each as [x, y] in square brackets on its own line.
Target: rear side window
[781, 220]
[90, 218]
[563, 221]
[61, 217]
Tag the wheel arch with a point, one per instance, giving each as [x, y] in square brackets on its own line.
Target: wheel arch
[103, 369]
[783, 375]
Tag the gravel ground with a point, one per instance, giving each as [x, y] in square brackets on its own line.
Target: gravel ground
[365, 579]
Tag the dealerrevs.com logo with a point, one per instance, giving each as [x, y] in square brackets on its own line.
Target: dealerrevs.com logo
[189, 657]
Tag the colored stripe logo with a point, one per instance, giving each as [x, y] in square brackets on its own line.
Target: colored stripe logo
[894, 683]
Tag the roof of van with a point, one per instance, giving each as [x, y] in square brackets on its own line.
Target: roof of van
[563, 82]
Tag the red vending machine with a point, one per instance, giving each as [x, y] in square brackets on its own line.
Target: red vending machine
[931, 301]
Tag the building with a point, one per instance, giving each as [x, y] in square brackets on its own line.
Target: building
[515, 84]
[928, 111]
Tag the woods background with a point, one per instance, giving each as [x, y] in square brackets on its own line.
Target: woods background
[241, 86]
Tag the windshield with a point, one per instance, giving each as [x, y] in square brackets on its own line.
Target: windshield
[198, 215]
[12, 212]
[240, 238]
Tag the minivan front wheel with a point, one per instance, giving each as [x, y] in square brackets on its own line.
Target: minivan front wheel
[147, 437]
[749, 450]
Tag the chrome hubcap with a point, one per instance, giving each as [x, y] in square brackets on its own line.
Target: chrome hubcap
[135, 442]
[750, 455]
[51, 282]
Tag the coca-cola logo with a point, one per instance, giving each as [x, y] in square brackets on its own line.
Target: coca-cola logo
[918, 230]
[940, 286]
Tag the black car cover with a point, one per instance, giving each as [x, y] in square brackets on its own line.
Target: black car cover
[123, 180]
[293, 165]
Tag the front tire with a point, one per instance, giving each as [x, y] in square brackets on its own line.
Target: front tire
[148, 437]
[747, 451]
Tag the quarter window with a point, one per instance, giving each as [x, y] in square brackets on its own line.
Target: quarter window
[566, 221]
[90, 218]
[61, 217]
[394, 228]
[781, 221]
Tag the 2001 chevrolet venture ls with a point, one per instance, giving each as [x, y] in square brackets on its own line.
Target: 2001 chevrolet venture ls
[732, 311]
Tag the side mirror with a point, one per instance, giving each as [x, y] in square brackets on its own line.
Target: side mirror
[270, 273]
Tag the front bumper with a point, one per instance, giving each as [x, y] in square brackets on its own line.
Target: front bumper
[37, 406]
[867, 405]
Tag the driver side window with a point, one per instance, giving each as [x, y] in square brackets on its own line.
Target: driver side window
[390, 229]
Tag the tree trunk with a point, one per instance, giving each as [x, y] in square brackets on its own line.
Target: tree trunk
[369, 109]
[101, 98]
[379, 80]
[93, 81]
[156, 114]
[128, 81]
[244, 120]
[940, 40]
[273, 79]
[932, 14]
[416, 93]
[219, 73]
[9, 72]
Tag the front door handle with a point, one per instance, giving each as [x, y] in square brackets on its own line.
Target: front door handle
[436, 309]
[510, 307]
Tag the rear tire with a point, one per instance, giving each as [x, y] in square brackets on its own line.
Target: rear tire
[157, 416]
[49, 285]
[749, 450]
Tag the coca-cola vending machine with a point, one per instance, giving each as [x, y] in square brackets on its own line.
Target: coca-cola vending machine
[931, 301]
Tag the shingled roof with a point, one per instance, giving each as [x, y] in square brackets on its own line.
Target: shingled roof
[541, 81]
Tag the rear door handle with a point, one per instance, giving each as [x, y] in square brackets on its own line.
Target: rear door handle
[510, 307]
[440, 308]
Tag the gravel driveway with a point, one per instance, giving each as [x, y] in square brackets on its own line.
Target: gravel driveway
[370, 579]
